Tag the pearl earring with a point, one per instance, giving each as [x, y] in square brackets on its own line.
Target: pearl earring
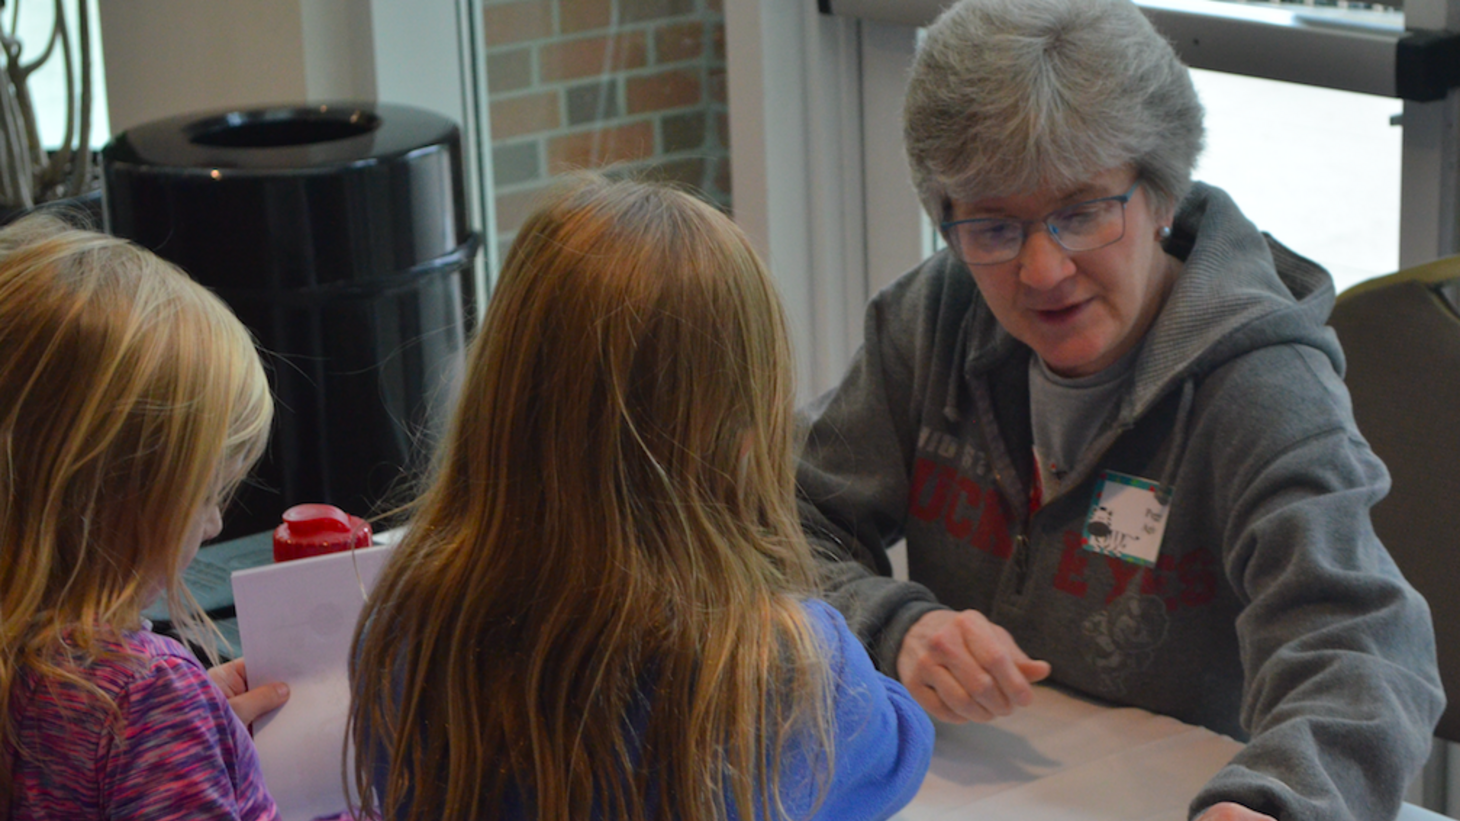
[1164, 233]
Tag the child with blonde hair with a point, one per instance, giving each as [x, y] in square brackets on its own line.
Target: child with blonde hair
[603, 606]
[132, 401]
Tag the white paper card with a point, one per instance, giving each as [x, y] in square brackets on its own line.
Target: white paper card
[1127, 518]
[295, 622]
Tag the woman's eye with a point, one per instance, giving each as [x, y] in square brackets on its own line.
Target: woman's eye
[994, 233]
[1079, 217]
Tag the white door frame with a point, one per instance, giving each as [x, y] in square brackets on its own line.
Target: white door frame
[811, 98]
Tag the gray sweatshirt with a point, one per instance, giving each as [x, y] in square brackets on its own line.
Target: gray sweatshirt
[1271, 612]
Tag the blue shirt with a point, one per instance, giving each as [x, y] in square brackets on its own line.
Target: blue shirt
[883, 739]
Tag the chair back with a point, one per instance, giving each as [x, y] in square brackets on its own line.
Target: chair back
[1401, 338]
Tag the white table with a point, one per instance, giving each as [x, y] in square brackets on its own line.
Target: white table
[1064, 758]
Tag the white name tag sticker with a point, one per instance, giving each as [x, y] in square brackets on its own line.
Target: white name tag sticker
[1127, 518]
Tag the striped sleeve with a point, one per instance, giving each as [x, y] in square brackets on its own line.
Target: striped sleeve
[183, 754]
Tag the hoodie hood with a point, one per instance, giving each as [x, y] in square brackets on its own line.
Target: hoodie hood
[1239, 290]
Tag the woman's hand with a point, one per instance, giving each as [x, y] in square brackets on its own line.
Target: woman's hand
[962, 667]
[232, 679]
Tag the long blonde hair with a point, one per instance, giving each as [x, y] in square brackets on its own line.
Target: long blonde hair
[128, 395]
[595, 607]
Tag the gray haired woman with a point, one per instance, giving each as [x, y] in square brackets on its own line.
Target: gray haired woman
[1108, 420]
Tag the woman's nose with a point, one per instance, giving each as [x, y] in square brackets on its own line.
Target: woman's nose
[1043, 262]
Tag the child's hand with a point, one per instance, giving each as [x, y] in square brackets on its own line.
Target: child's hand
[247, 704]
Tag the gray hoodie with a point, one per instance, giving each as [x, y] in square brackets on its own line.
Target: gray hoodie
[1272, 612]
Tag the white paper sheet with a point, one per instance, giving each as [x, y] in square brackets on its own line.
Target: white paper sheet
[295, 621]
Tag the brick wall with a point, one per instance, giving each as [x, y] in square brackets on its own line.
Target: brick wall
[588, 83]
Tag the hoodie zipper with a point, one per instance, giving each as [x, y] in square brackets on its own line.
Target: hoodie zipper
[1021, 564]
[1013, 490]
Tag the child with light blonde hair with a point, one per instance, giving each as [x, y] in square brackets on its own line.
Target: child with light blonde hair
[132, 402]
[604, 606]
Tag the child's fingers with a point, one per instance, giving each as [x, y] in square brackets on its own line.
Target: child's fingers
[259, 701]
[231, 677]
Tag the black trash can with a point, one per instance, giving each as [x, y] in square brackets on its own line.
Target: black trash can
[338, 233]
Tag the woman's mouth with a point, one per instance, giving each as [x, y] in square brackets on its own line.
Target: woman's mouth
[1061, 314]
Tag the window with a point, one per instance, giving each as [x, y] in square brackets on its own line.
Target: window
[32, 22]
[1317, 168]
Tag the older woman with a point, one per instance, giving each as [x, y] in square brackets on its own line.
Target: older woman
[1109, 422]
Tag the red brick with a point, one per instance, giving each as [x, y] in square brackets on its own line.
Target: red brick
[717, 41]
[716, 6]
[516, 22]
[639, 11]
[601, 147]
[592, 56]
[513, 209]
[585, 15]
[722, 126]
[681, 41]
[515, 116]
[668, 89]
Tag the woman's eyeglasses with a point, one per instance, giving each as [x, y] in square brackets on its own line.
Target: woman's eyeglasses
[1084, 226]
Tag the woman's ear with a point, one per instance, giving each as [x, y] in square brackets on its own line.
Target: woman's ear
[1163, 216]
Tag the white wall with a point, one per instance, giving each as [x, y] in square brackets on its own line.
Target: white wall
[166, 57]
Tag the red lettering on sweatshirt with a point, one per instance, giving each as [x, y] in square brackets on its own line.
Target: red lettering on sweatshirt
[1190, 581]
[959, 527]
[1070, 575]
[923, 471]
[955, 498]
[992, 535]
[980, 516]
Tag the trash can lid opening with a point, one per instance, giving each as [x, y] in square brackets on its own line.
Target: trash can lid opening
[282, 128]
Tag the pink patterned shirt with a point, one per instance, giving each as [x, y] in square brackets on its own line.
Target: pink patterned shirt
[180, 753]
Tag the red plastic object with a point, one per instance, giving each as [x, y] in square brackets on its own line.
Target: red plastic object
[313, 530]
